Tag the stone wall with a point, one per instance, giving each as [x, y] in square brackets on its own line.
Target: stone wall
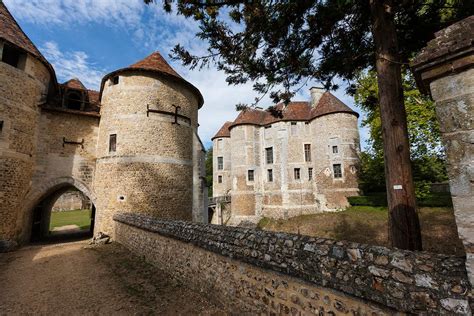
[445, 69]
[151, 170]
[71, 200]
[21, 91]
[258, 271]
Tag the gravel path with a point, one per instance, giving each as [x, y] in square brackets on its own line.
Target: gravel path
[73, 278]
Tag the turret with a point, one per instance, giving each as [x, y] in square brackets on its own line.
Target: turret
[25, 79]
[145, 144]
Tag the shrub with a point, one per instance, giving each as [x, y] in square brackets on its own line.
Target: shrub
[379, 199]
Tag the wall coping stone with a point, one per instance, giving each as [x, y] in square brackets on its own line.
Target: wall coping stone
[407, 281]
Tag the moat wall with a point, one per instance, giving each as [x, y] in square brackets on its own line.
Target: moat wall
[256, 271]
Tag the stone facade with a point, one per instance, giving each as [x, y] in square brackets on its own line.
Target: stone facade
[445, 69]
[71, 200]
[256, 271]
[57, 137]
[309, 138]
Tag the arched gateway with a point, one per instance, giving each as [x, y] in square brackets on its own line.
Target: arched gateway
[134, 143]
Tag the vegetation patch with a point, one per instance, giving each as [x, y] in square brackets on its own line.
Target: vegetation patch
[369, 225]
[81, 218]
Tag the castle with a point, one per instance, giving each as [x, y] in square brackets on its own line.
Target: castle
[301, 160]
[131, 147]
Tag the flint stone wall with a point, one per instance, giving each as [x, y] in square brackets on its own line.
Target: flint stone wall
[412, 282]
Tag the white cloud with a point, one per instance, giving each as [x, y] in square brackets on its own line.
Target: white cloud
[68, 12]
[73, 64]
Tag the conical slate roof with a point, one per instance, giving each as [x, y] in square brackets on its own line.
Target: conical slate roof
[294, 111]
[155, 63]
[223, 131]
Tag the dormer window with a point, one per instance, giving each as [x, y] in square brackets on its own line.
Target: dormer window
[13, 56]
[73, 100]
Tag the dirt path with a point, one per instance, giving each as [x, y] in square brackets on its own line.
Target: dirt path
[72, 279]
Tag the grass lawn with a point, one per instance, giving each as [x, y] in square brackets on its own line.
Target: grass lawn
[81, 218]
[368, 224]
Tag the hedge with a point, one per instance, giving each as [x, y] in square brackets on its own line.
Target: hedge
[433, 200]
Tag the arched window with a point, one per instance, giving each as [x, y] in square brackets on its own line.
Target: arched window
[73, 100]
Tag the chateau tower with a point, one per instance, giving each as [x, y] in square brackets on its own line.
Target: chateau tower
[25, 78]
[303, 160]
[145, 146]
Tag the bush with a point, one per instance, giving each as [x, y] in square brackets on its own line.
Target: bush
[379, 199]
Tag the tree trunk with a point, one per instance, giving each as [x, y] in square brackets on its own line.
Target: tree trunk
[403, 223]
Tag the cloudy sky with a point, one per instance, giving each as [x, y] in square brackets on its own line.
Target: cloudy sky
[90, 38]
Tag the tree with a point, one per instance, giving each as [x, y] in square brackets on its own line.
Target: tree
[209, 170]
[279, 45]
[427, 155]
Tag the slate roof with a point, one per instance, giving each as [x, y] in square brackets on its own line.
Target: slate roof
[294, 111]
[157, 64]
[74, 84]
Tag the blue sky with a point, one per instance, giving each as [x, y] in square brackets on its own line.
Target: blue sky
[90, 38]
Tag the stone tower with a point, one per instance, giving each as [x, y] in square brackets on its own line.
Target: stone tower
[302, 161]
[147, 132]
[25, 76]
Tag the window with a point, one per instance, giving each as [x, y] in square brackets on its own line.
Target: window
[307, 152]
[219, 143]
[112, 143]
[73, 100]
[220, 163]
[335, 150]
[268, 126]
[1, 126]
[250, 175]
[270, 175]
[14, 57]
[293, 128]
[337, 170]
[219, 179]
[310, 174]
[297, 173]
[115, 80]
[269, 155]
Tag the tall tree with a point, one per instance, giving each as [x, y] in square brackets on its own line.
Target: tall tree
[209, 171]
[279, 45]
[427, 155]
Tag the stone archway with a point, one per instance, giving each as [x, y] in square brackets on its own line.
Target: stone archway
[43, 197]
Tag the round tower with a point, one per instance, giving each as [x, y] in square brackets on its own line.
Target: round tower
[145, 145]
[25, 77]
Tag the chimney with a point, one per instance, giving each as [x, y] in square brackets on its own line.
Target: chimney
[316, 94]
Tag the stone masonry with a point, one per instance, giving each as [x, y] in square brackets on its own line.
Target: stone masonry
[131, 146]
[258, 271]
[314, 158]
[445, 69]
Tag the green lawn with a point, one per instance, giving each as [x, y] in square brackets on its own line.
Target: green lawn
[81, 218]
[368, 224]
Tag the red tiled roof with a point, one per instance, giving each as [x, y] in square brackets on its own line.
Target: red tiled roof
[223, 131]
[74, 84]
[294, 111]
[157, 64]
[11, 32]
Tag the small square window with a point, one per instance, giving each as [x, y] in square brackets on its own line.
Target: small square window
[14, 57]
[270, 175]
[269, 155]
[297, 173]
[1, 126]
[112, 143]
[115, 80]
[219, 179]
[220, 163]
[310, 174]
[268, 126]
[251, 175]
[337, 170]
[335, 150]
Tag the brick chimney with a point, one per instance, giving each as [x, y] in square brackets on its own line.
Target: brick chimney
[316, 93]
